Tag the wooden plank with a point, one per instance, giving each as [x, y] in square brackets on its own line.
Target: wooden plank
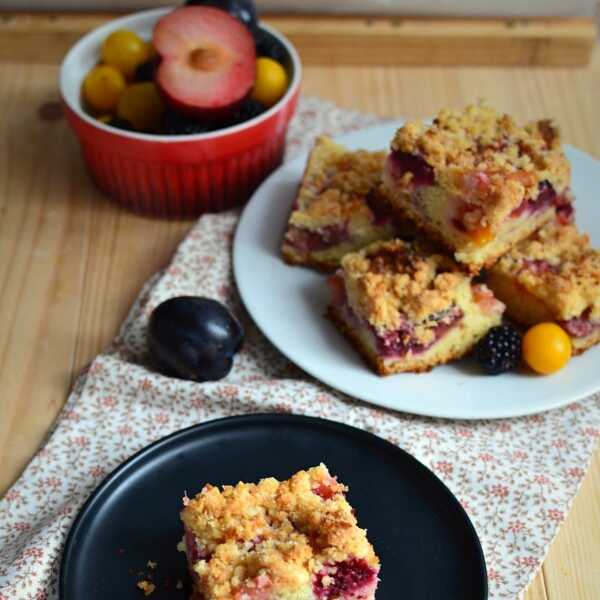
[572, 569]
[537, 589]
[323, 40]
[431, 41]
[43, 238]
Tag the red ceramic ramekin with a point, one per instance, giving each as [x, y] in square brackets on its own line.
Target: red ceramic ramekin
[175, 176]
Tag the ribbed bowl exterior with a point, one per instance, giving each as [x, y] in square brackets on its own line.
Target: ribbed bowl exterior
[184, 178]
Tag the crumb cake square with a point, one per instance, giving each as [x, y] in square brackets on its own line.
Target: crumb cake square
[554, 275]
[339, 208]
[407, 309]
[278, 540]
[478, 182]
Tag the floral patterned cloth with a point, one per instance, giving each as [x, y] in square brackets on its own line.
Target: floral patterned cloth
[516, 478]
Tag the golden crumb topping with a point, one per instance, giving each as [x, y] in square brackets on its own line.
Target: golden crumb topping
[273, 533]
[337, 184]
[486, 158]
[390, 282]
[558, 265]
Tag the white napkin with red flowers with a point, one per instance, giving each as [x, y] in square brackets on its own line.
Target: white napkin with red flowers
[516, 478]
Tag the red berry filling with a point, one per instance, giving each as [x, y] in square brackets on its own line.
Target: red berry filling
[423, 175]
[580, 327]
[540, 267]
[352, 578]
[304, 240]
[193, 549]
[546, 196]
[328, 488]
[397, 343]
[382, 213]
[564, 209]
[400, 342]
[337, 290]
[324, 491]
[402, 163]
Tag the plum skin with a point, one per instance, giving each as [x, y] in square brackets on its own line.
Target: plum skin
[195, 338]
[243, 10]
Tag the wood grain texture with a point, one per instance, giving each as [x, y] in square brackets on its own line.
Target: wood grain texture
[572, 568]
[71, 262]
[434, 41]
[323, 40]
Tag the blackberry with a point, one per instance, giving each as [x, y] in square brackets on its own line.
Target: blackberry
[146, 71]
[175, 123]
[499, 350]
[269, 46]
[248, 110]
[243, 10]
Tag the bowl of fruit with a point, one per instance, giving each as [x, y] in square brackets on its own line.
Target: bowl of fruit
[181, 111]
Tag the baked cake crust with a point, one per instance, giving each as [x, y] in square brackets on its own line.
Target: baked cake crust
[428, 231]
[477, 182]
[554, 275]
[279, 538]
[481, 146]
[559, 265]
[394, 280]
[340, 206]
[407, 308]
[379, 364]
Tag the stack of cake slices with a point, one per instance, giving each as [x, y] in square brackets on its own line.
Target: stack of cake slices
[465, 221]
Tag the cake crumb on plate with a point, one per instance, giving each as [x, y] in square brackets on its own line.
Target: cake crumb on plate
[146, 586]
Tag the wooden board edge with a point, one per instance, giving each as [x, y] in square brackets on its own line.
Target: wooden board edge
[353, 41]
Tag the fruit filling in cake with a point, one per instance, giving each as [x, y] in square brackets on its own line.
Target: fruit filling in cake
[291, 540]
[554, 275]
[581, 327]
[478, 182]
[339, 208]
[399, 342]
[304, 240]
[406, 308]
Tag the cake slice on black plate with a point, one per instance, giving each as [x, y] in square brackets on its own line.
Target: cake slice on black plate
[407, 308]
[290, 540]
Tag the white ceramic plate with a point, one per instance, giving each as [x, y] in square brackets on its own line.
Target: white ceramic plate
[288, 304]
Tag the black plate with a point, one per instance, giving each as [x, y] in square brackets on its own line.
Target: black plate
[427, 545]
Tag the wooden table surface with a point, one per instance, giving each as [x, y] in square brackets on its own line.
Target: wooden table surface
[71, 262]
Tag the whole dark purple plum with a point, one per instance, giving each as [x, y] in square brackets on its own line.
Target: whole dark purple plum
[195, 338]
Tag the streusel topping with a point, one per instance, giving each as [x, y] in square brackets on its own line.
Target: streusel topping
[274, 531]
[336, 185]
[486, 158]
[390, 282]
[558, 265]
